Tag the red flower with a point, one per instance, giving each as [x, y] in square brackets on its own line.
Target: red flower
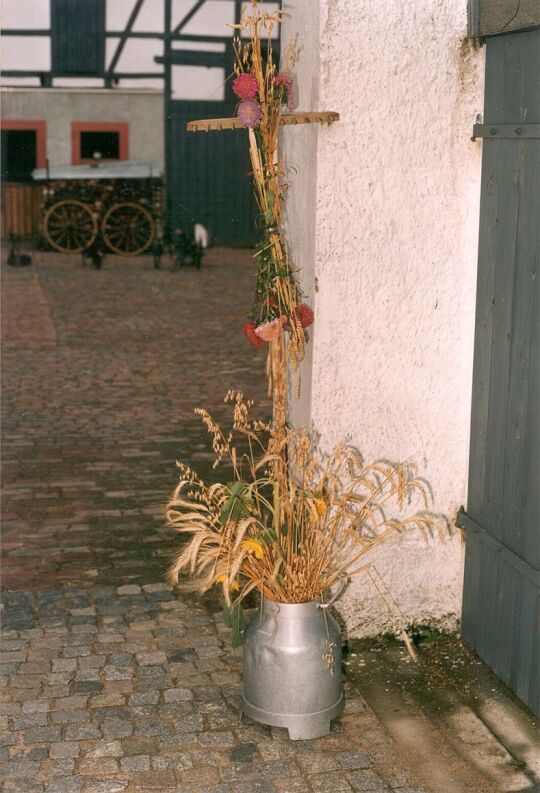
[249, 332]
[305, 315]
[245, 86]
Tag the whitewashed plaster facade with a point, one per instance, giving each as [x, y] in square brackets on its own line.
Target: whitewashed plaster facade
[383, 215]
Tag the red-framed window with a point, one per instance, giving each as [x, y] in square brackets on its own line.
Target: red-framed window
[109, 139]
[24, 147]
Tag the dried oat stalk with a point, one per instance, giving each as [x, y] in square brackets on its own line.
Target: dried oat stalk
[288, 525]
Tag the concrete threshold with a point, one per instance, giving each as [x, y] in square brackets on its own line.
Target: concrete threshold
[453, 723]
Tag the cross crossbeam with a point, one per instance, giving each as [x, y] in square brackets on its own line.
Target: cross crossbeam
[208, 124]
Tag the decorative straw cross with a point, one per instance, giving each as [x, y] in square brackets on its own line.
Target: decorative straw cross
[264, 92]
[277, 363]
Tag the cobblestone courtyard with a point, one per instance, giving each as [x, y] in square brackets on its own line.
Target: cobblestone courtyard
[102, 371]
[110, 681]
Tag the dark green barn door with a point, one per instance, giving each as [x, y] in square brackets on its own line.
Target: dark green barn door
[209, 176]
[501, 591]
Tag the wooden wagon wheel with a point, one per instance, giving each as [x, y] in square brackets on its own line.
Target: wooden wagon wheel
[70, 226]
[128, 229]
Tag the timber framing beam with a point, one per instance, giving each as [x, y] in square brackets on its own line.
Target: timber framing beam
[169, 34]
[190, 14]
[125, 36]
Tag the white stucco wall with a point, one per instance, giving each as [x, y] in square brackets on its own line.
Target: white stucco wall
[383, 220]
[143, 110]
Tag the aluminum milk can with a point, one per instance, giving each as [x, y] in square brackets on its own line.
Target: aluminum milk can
[292, 668]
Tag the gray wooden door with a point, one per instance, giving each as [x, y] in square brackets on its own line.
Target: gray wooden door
[500, 618]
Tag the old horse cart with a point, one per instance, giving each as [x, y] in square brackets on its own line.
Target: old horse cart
[116, 203]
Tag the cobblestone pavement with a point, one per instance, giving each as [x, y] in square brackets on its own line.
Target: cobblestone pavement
[101, 373]
[110, 682]
[132, 689]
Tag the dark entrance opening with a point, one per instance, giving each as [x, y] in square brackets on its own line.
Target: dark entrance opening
[19, 154]
[106, 144]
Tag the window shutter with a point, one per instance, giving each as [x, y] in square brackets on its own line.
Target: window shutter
[78, 37]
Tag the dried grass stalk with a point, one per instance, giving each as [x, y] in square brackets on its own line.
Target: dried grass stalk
[289, 525]
[281, 291]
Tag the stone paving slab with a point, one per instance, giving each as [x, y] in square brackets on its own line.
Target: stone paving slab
[132, 688]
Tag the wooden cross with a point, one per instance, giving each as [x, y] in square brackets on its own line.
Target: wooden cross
[276, 368]
[205, 125]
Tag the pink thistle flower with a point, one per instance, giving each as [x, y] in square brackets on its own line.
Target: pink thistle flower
[245, 86]
[283, 78]
[249, 112]
[292, 97]
[290, 85]
[271, 330]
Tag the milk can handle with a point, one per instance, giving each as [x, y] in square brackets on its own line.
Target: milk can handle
[336, 595]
